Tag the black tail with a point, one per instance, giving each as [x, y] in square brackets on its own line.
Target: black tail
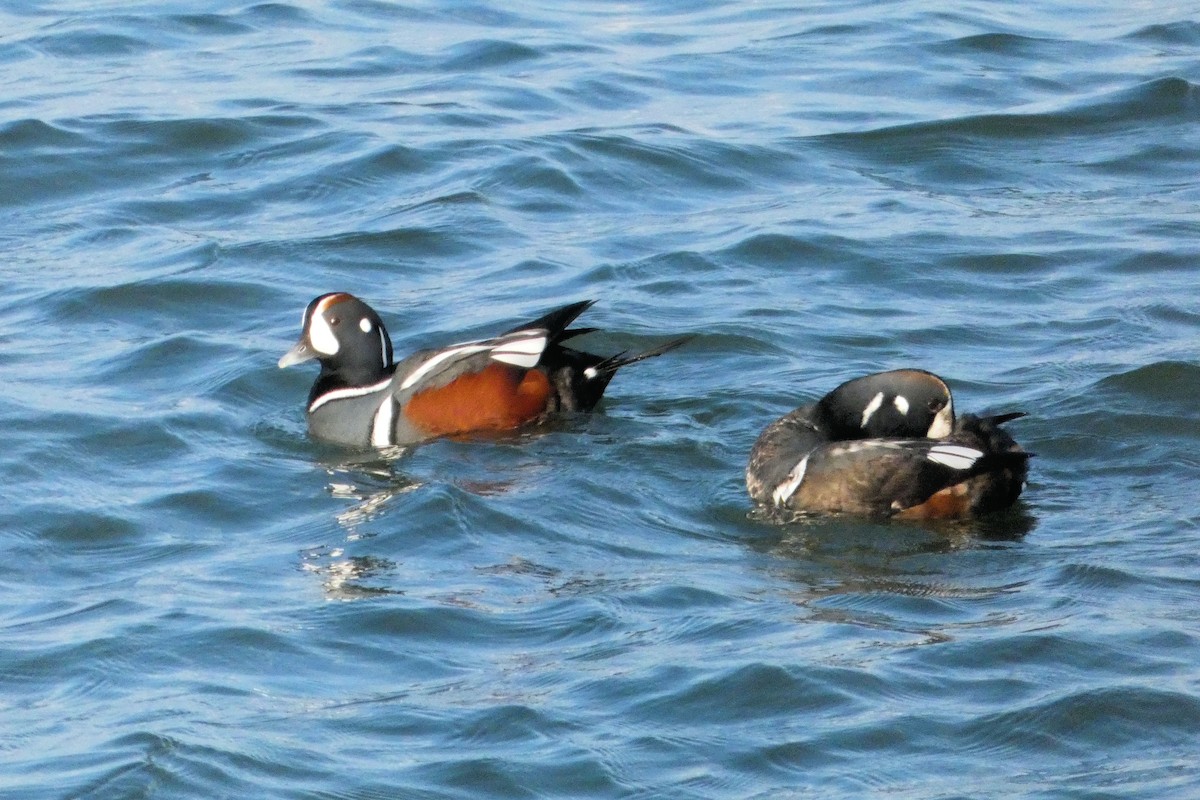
[986, 434]
[580, 378]
[614, 363]
[1000, 419]
[1006, 463]
[1010, 459]
[557, 321]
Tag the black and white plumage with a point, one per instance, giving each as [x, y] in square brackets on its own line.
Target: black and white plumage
[361, 397]
[887, 445]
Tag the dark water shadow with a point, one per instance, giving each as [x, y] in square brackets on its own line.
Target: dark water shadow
[791, 528]
[918, 582]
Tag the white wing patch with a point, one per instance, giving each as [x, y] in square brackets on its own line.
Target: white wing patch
[381, 426]
[438, 358]
[788, 488]
[522, 349]
[871, 408]
[954, 456]
[524, 352]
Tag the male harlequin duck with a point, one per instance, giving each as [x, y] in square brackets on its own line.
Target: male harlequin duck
[887, 445]
[362, 398]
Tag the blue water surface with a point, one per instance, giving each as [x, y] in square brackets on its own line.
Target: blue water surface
[203, 603]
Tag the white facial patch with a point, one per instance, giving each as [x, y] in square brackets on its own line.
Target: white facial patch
[320, 336]
[788, 488]
[901, 404]
[364, 325]
[943, 423]
[590, 373]
[954, 456]
[871, 408]
[524, 352]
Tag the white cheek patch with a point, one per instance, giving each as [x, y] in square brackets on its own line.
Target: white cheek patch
[901, 404]
[320, 336]
[954, 456]
[871, 408]
[364, 325]
[590, 373]
[524, 353]
[943, 423]
[788, 488]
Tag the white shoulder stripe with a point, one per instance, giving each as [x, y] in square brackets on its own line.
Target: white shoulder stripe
[785, 490]
[954, 456]
[438, 358]
[381, 426]
[353, 391]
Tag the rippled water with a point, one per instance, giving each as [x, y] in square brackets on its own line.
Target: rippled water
[203, 603]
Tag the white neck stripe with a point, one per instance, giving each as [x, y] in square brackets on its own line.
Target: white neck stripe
[352, 391]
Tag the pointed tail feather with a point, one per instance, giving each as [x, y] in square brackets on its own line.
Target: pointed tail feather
[571, 333]
[556, 321]
[614, 363]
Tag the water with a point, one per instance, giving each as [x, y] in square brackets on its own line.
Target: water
[202, 603]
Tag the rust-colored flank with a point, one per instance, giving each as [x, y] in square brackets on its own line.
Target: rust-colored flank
[498, 398]
[950, 503]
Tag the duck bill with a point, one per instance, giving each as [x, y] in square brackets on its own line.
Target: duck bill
[299, 354]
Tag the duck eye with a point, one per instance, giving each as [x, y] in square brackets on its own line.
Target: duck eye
[335, 321]
[936, 405]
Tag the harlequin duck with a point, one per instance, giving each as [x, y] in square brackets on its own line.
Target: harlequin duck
[887, 445]
[362, 398]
